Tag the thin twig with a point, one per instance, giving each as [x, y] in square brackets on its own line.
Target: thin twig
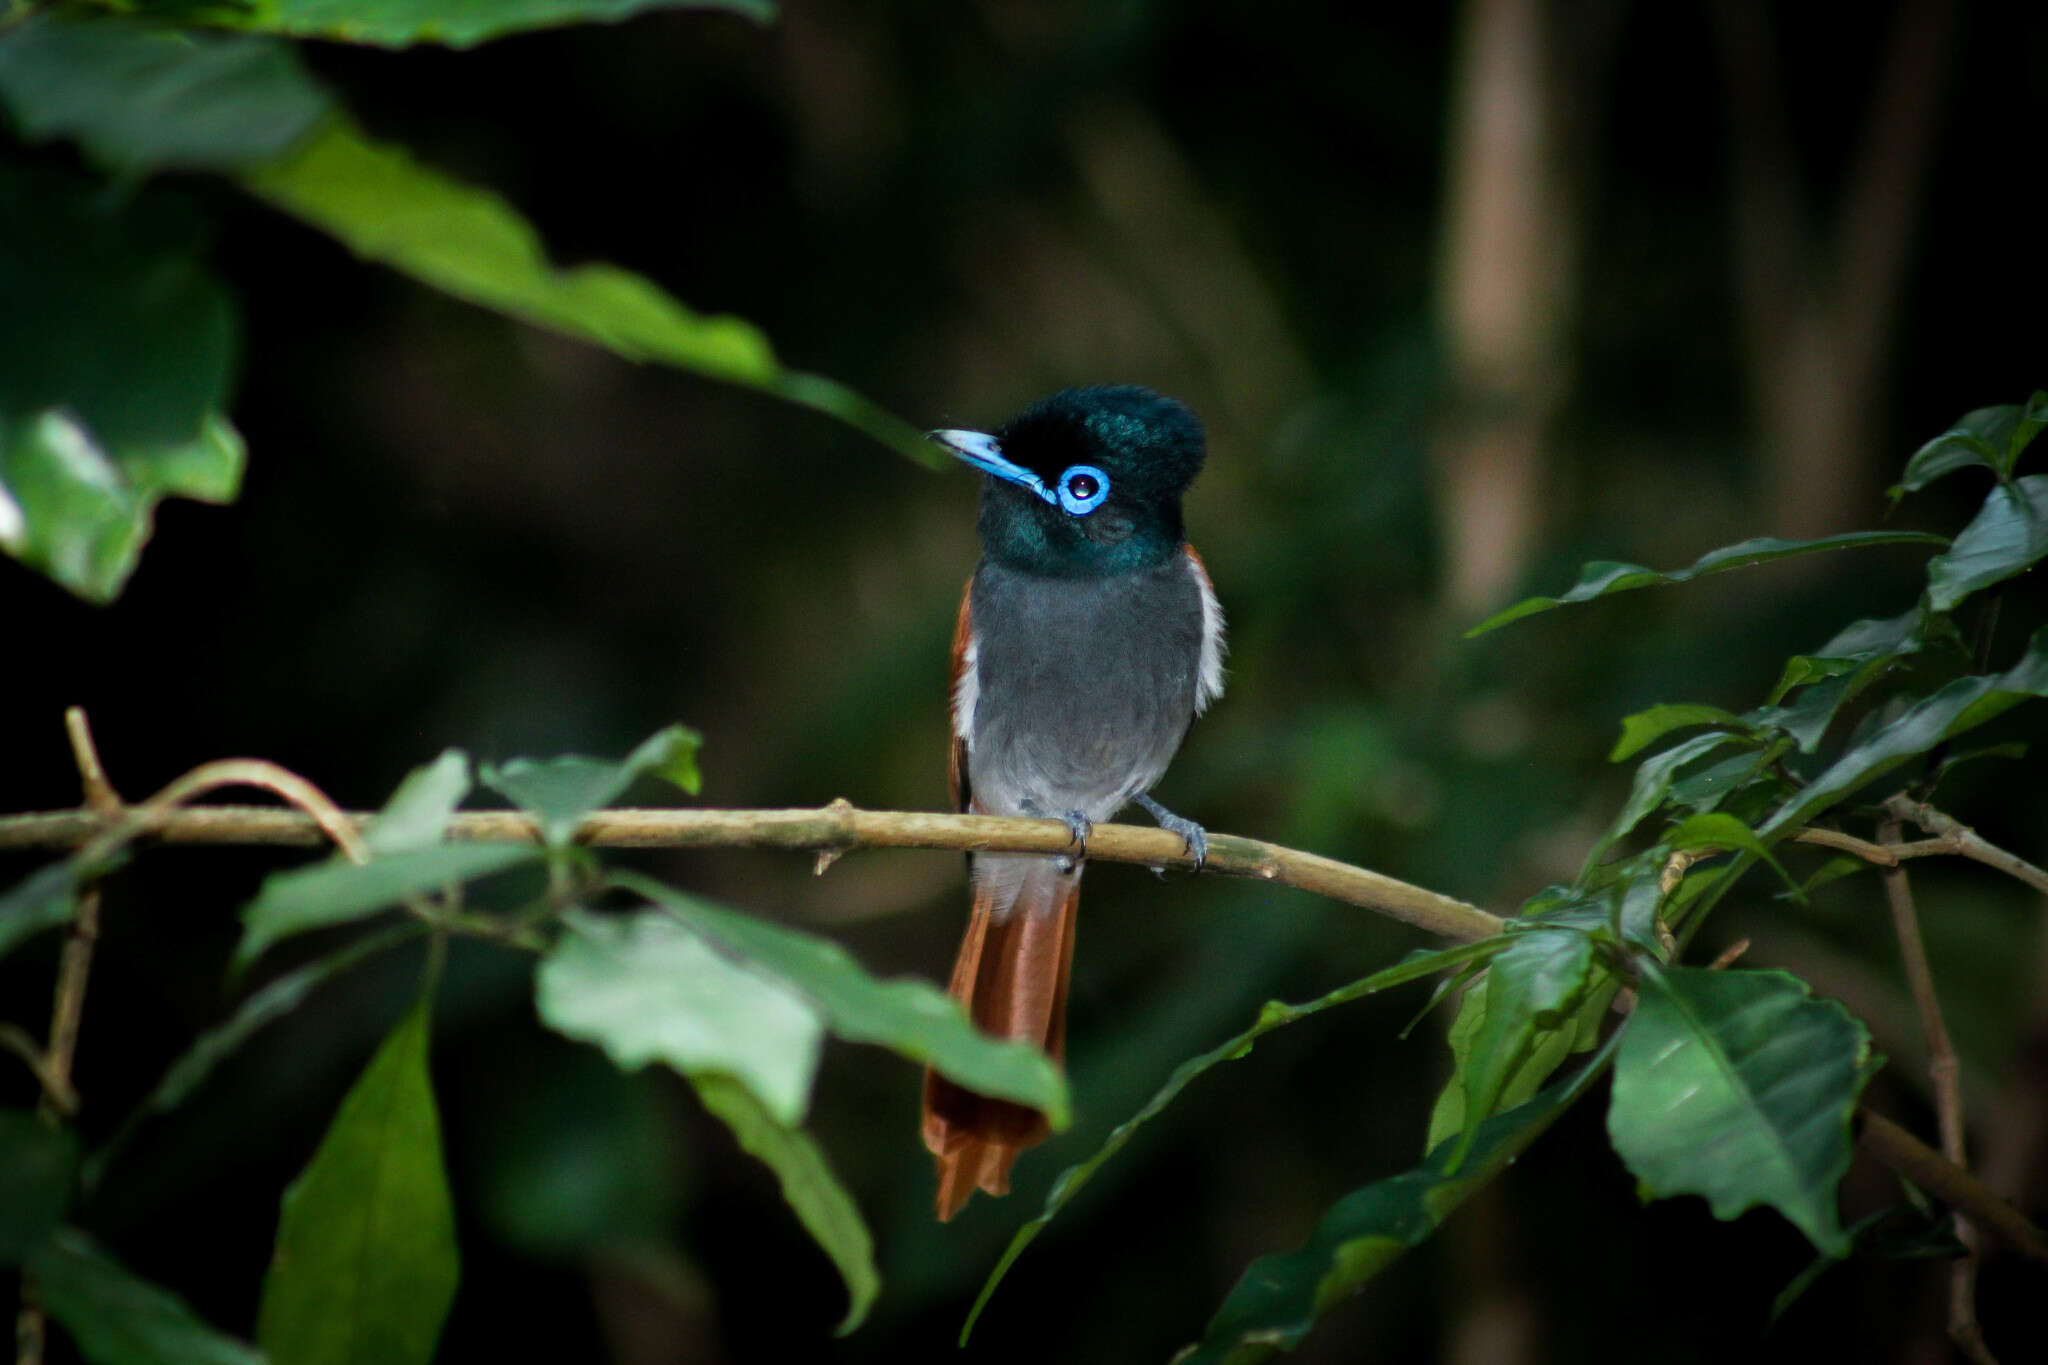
[1945, 1071]
[1884, 855]
[1894, 1147]
[839, 826]
[1960, 839]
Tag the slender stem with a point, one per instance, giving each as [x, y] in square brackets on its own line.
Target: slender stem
[1945, 1071]
[1894, 1147]
[1960, 839]
[839, 827]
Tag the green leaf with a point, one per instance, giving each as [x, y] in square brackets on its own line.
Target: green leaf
[910, 1016]
[1652, 785]
[1280, 1298]
[417, 813]
[1272, 1015]
[809, 1187]
[1603, 577]
[1717, 830]
[2008, 536]
[141, 96]
[461, 23]
[366, 1265]
[1846, 665]
[469, 243]
[1538, 975]
[559, 792]
[37, 1163]
[646, 989]
[1645, 728]
[1962, 705]
[42, 900]
[1738, 1086]
[341, 892]
[275, 1000]
[114, 369]
[1989, 438]
[116, 1318]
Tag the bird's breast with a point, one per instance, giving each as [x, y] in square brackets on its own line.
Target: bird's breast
[1083, 688]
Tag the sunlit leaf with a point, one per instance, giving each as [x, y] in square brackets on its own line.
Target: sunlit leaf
[417, 813]
[1645, 728]
[2008, 536]
[1604, 577]
[461, 23]
[114, 368]
[1273, 1014]
[1280, 1298]
[340, 892]
[1962, 705]
[141, 96]
[470, 243]
[908, 1015]
[37, 1163]
[1717, 830]
[1528, 984]
[365, 1265]
[646, 989]
[809, 1187]
[1738, 1086]
[117, 1318]
[559, 792]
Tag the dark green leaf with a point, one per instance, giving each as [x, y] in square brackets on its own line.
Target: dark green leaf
[1840, 671]
[1280, 1298]
[114, 368]
[339, 891]
[1539, 974]
[1645, 728]
[646, 989]
[471, 244]
[1833, 870]
[2032, 420]
[462, 23]
[277, 999]
[2010, 749]
[1603, 577]
[2008, 536]
[1962, 705]
[1989, 438]
[1652, 784]
[366, 1265]
[1737, 1086]
[37, 1163]
[118, 1319]
[820, 1202]
[140, 96]
[559, 792]
[417, 813]
[42, 900]
[1273, 1014]
[1709, 787]
[909, 1016]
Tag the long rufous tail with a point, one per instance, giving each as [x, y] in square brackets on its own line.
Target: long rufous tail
[1012, 977]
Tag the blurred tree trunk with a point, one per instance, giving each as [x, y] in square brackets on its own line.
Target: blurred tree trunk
[1818, 310]
[1516, 175]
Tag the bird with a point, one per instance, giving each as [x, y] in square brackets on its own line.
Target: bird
[1089, 638]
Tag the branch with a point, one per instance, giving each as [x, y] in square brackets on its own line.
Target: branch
[1898, 1149]
[832, 830]
[1956, 837]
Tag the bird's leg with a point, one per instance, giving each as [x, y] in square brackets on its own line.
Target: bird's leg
[1079, 827]
[1191, 834]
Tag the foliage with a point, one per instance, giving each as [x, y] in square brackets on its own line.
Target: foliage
[94, 429]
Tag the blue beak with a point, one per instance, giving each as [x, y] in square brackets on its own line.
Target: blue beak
[979, 449]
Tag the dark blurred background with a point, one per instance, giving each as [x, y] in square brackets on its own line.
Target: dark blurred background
[1467, 295]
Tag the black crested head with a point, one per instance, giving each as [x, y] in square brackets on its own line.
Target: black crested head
[1087, 482]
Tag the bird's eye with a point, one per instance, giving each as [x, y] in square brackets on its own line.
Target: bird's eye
[1082, 489]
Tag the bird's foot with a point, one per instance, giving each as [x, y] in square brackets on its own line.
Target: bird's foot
[1079, 827]
[1192, 836]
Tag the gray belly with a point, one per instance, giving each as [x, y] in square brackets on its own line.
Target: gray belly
[1085, 687]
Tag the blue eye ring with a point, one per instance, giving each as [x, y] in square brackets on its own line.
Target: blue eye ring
[1082, 489]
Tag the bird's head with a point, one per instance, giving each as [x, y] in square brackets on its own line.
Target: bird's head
[1085, 482]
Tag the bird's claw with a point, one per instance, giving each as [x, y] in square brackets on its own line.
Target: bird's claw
[1193, 837]
[1079, 827]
